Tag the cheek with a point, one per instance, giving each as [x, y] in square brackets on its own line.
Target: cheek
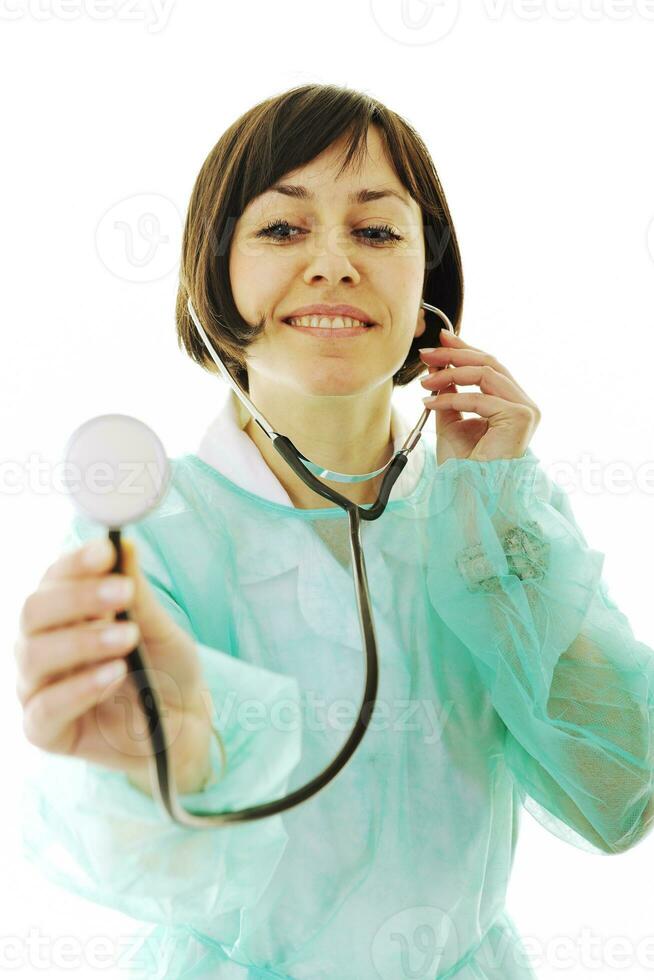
[261, 282]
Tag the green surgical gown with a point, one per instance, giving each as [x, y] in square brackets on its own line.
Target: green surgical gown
[508, 678]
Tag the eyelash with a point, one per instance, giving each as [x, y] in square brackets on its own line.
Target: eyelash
[267, 231]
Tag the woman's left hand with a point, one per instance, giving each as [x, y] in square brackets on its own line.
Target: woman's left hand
[508, 415]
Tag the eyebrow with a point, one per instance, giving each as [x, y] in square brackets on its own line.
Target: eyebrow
[357, 197]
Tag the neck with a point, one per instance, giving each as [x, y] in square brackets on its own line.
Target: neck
[351, 435]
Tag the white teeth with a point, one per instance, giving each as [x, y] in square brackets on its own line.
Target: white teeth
[334, 323]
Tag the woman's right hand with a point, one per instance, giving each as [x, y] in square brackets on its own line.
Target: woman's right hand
[70, 709]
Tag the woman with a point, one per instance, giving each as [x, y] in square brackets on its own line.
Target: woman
[508, 677]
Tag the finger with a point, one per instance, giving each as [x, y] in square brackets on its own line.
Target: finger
[42, 658]
[490, 381]
[69, 601]
[95, 556]
[445, 414]
[51, 712]
[488, 406]
[461, 356]
[469, 356]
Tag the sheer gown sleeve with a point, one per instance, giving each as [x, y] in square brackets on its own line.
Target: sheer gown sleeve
[514, 577]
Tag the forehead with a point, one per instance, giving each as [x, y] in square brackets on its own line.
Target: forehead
[373, 179]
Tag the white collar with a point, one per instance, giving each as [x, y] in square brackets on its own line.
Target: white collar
[228, 449]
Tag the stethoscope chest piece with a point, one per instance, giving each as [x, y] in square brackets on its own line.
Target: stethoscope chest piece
[116, 470]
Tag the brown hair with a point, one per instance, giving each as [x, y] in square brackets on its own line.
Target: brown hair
[274, 137]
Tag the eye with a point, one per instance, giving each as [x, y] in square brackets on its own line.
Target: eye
[270, 229]
[386, 230]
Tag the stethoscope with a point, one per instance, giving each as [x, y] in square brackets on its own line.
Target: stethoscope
[127, 448]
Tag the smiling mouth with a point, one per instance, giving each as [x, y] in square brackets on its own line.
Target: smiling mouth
[332, 328]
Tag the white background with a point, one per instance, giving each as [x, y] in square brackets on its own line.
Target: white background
[538, 117]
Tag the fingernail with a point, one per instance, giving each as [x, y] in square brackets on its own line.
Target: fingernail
[109, 672]
[116, 590]
[121, 635]
[96, 552]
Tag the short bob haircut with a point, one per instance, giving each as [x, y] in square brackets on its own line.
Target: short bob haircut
[276, 136]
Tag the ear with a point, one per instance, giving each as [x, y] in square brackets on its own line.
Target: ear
[421, 325]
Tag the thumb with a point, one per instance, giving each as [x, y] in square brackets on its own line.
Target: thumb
[155, 624]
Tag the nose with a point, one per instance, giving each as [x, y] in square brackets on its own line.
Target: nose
[330, 260]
